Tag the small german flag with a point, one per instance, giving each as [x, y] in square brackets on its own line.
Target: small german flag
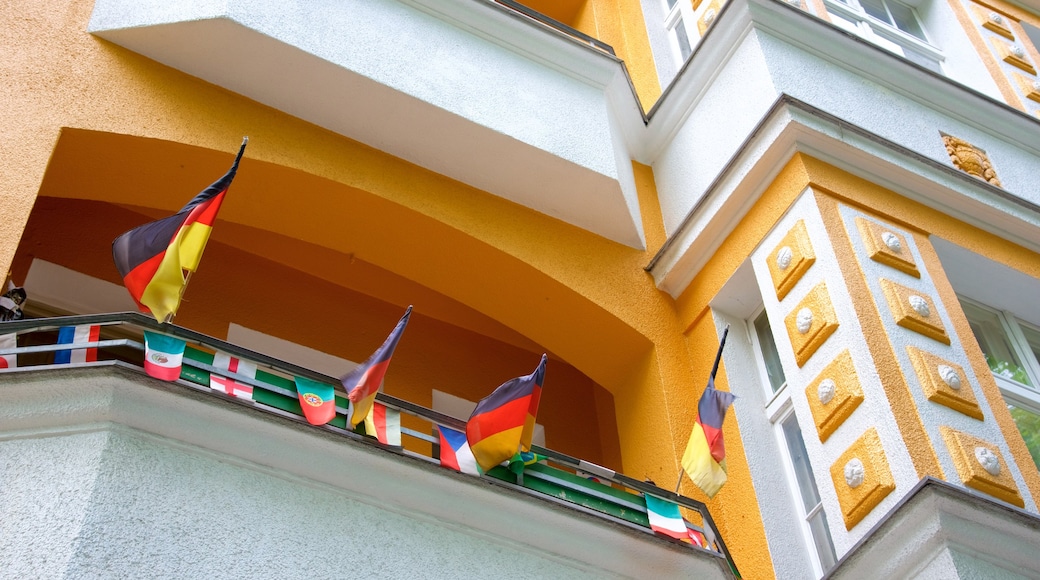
[152, 258]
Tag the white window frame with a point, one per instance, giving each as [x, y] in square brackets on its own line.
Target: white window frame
[1024, 397]
[779, 408]
[850, 15]
[680, 11]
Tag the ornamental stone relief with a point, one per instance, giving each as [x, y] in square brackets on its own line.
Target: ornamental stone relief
[970, 159]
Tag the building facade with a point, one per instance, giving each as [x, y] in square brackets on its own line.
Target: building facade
[850, 187]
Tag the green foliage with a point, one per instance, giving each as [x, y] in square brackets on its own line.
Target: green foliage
[1029, 426]
[1008, 370]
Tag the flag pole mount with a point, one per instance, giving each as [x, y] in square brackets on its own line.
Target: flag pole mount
[714, 369]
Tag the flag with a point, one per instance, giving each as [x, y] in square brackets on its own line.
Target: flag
[364, 381]
[8, 361]
[318, 400]
[503, 422]
[224, 361]
[665, 519]
[521, 460]
[455, 452]
[77, 335]
[152, 258]
[384, 424]
[705, 457]
[162, 356]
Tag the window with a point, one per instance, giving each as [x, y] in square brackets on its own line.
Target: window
[800, 473]
[889, 24]
[1012, 350]
[678, 12]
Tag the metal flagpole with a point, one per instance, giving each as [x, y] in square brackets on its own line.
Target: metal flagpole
[714, 369]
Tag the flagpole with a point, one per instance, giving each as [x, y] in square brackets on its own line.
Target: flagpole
[714, 369]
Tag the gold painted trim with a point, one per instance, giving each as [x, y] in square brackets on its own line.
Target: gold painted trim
[834, 394]
[1006, 53]
[711, 13]
[811, 323]
[944, 382]
[862, 478]
[914, 311]
[887, 246]
[971, 456]
[1030, 86]
[970, 159]
[997, 25]
[791, 259]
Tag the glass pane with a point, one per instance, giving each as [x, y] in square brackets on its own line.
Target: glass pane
[1029, 426]
[684, 40]
[1033, 339]
[822, 536]
[905, 19]
[800, 460]
[769, 354]
[671, 3]
[995, 345]
[876, 8]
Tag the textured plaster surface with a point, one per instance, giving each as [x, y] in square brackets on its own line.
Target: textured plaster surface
[875, 410]
[176, 482]
[932, 415]
[713, 130]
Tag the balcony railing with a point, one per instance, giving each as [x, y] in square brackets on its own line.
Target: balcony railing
[560, 478]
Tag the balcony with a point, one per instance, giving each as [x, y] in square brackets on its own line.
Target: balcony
[126, 471]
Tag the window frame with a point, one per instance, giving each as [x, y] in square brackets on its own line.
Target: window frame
[681, 11]
[779, 408]
[1019, 395]
[883, 33]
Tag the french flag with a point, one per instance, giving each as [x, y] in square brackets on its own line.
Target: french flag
[82, 334]
[455, 452]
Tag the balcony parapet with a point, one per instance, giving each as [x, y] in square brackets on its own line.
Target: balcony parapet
[550, 506]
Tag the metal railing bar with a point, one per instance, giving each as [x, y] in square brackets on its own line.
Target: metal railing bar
[64, 346]
[584, 490]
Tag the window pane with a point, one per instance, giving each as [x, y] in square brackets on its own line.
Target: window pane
[769, 354]
[822, 536]
[1029, 426]
[810, 496]
[995, 345]
[905, 19]
[876, 9]
[683, 39]
[802, 469]
[1033, 338]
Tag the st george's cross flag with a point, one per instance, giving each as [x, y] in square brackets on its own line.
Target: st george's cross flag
[318, 400]
[384, 424]
[364, 381]
[152, 258]
[8, 361]
[503, 422]
[77, 335]
[705, 457]
[162, 356]
[455, 452]
[230, 386]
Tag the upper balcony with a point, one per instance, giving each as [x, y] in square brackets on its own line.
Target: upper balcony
[123, 464]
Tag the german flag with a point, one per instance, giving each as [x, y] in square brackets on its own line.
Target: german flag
[364, 381]
[152, 258]
[503, 422]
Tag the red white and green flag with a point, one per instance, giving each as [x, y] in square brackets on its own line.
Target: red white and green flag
[162, 356]
[666, 519]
